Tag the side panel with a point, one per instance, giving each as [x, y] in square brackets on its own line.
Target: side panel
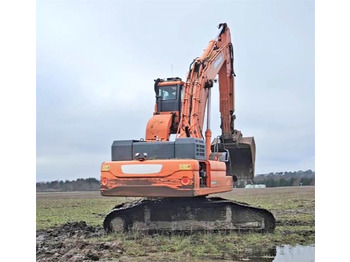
[181, 148]
[218, 181]
[190, 147]
[123, 150]
[156, 150]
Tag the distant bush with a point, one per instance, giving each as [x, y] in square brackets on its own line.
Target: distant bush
[81, 184]
[281, 179]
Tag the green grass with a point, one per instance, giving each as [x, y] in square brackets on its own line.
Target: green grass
[70, 207]
[293, 209]
[203, 245]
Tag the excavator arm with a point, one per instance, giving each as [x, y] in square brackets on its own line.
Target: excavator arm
[217, 60]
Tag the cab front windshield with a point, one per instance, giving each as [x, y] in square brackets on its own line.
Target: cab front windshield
[168, 92]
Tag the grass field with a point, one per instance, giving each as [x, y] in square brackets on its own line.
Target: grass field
[293, 208]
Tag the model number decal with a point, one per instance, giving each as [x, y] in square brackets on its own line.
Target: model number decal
[185, 166]
[105, 168]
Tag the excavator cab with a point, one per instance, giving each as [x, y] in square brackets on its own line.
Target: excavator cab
[168, 95]
[167, 110]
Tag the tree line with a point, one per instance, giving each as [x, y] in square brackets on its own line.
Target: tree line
[281, 179]
[81, 184]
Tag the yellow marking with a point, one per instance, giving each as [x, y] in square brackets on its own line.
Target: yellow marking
[105, 168]
[185, 166]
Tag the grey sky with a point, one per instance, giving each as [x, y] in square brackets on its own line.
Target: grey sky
[96, 61]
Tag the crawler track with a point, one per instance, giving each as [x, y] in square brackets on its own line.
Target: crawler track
[187, 214]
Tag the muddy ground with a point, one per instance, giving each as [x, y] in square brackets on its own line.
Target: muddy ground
[81, 241]
[70, 242]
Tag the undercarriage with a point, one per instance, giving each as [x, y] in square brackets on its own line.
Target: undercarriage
[187, 214]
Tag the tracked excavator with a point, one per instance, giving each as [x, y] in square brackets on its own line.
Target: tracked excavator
[175, 178]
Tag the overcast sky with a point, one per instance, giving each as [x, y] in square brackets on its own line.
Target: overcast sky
[96, 62]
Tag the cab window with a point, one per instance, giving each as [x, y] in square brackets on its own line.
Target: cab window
[168, 92]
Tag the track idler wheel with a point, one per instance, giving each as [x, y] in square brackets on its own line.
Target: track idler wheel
[116, 223]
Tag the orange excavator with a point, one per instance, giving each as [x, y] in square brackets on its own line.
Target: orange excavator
[175, 178]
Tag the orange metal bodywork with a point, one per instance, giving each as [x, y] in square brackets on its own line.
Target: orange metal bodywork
[158, 127]
[166, 182]
[170, 83]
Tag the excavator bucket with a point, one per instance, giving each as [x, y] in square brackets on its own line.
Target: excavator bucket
[241, 156]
